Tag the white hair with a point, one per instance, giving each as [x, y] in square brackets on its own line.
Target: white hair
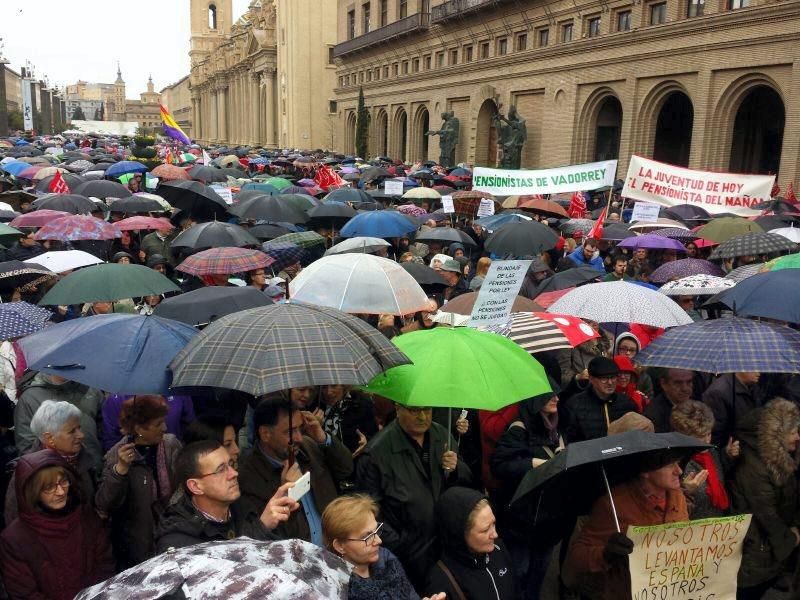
[51, 416]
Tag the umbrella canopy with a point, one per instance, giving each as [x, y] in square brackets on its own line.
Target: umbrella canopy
[697, 285]
[108, 283]
[753, 244]
[687, 213]
[722, 229]
[423, 274]
[18, 319]
[195, 198]
[364, 245]
[73, 182]
[102, 188]
[659, 223]
[346, 195]
[283, 254]
[206, 304]
[124, 167]
[60, 261]
[727, 345]
[676, 234]
[527, 238]
[676, 269]
[77, 227]
[268, 231]
[422, 193]
[463, 304]
[542, 331]
[170, 173]
[577, 225]
[224, 261]
[771, 295]
[269, 208]
[745, 271]
[445, 236]
[136, 204]
[493, 222]
[304, 239]
[9, 235]
[23, 275]
[652, 242]
[143, 223]
[790, 261]
[70, 203]
[378, 223]
[284, 346]
[237, 569]
[214, 234]
[621, 302]
[279, 183]
[568, 279]
[616, 232]
[332, 210]
[790, 233]
[207, 174]
[461, 368]
[360, 284]
[540, 206]
[135, 351]
[467, 202]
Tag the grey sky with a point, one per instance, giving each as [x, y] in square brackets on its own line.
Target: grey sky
[83, 39]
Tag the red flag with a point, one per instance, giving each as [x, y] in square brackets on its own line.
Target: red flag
[577, 206]
[776, 189]
[790, 197]
[327, 178]
[596, 232]
[58, 185]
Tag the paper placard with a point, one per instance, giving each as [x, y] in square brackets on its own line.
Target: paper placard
[393, 188]
[225, 193]
[486, 208]
[694, 559]
[498, 292]
[645, 211]
[447, 204]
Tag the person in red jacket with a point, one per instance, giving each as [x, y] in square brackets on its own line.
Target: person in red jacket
[56, 546]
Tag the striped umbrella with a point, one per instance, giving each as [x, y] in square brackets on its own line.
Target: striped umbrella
[539, 332]
[225, 261]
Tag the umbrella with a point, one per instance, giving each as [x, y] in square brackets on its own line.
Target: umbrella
[108, 283]
[364, 245]
[527, 238]
[445, 236]
[727, 345]
[136, 204]
[71, 203]
[722, 229]
[214, 235]
[304, 239]
[772, 222]
[279, 183]
[493, 222]
[790, 233]
[422, 193]
[621, 302]
[541, 206]
[302, 202]
[332, 210]
[790, 261]
[102, 189]
[745, 271]
[8, 215]
[616, 232]
[77, 227]
[236, 569]
[346, 195]
[257, 189]
[268, 231]
[577, 225]
[463, 304]
[659, 223]
[195, 198]
[224, 261]
[568, 279]
[771, 295]
[685, 267]
[467, 202]
[124, 167]
[284, 346]
[170, 173]
[135, 351]
[25, 276]
[542, 331]
[652, 242]
[207, 174]
[687, 212]
[359, 284]
[18, 319]
[206, 304]
[379, 223]
[675, 233]
[423, 274]
[139, 223]
[753, 244]
[460, 367]
[73, 182]
[374, 174]
[283, 254]
[60, 261]
[9, 235]
[697, 285]
[269, 208]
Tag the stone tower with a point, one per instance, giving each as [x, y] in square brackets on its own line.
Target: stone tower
[119, 96]
[211, 21]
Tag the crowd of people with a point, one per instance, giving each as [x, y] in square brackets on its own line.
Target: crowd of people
[416, 505]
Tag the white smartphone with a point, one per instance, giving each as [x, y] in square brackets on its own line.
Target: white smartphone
[463, 414]
[301, 487]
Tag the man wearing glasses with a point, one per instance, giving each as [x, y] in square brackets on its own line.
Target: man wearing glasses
[405, 468]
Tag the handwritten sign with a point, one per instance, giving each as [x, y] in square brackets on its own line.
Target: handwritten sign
[447, 204]
[486, 208]
[224, 192]
[645, 211]
[498, 292]
[393, 188]
[694, 560]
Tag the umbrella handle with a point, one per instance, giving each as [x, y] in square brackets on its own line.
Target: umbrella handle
[611, 499]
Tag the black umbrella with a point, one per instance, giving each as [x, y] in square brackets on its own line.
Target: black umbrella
[8, 215]
[214, 235]
[268, 231]
[616, 232]
[770, 222]
[374, 174]
[445, 235]
[207, 304]
[72, 181]
[207, 174]
[71, 203]
[526, 238]
[23, 275]
[136, 204]
[199, 200]
[102, 188]
[332, 210]
[687, 213]
[348, 195]
[423, 274]
[753, 244]
[568, 279]
[268, 208]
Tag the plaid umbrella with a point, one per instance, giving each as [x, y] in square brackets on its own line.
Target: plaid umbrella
[25, 276]
[697, 285]
[466, 202]
[539, 332]
[20, 318]
[745, 271]
[285, 346]
[676, 269]
[753, 244]
[675, 233]
[77, 227]
[225, 261]
[304, 239]
[283, 254]
[727, 345]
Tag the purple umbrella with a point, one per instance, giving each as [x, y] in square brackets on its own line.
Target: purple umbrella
[307, 182]
[652, 242]
[677, 269]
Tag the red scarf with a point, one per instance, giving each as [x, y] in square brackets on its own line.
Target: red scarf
[714, 486]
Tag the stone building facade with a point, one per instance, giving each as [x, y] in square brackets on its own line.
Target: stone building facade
[177, 97]
[710, 85]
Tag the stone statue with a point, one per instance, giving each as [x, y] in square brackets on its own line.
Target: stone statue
[512, 133]
[448, 139]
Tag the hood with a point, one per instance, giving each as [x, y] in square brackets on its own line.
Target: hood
[770, 425]
[29, 464]
[452, 511]
[626, 335]
[530, 408]
[456, 246]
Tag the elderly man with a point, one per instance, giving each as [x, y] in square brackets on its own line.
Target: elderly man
[405, 468]
[450, 270]
[676, 387]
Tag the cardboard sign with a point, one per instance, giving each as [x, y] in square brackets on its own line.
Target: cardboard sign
[645, 211]
[498, 292]
[669, 185]
[486, 208]
[574, 178]
[393, 188]
[690, 560]
[224, 192]
[447, 204]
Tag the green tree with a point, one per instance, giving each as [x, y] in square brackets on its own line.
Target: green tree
[78, 115]
[362, 126]
[15, 120]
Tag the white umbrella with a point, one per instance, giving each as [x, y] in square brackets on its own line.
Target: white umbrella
[359, 284]
[65, 260]
[790, 233]
[659, 223]
[621, 302]
[697, 285]
[361, 244]
[422, 193]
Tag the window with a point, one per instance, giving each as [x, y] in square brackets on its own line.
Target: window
[212, 16]
[544, 37]
[331, 106]
[369, 76]
[624, 20]
[415, 65]
[454, 56]
[484, 49]
[405, 67]
[351, 24]
[566, 32]
[439, 60]
[341, 81]
[695, 8]
[361, 77]
[467, 54]
[593, 26]
[402, 9]
[396, 69]
[330, 55]
[365, 18]
[658, 13]
[347, 80]
[502, 46]
[427, 60]
[384, 18]
[386, 72]
[739, 4]
[522, 42]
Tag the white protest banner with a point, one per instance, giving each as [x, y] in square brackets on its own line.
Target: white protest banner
[669, 185]
[498, 292]
[486, 208]
[447, 204]
[645, 211]
[575, 178]
[693, 560]
[224, 192]
[27, 105]
[393, 188]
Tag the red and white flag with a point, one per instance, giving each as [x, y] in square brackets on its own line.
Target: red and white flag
[58, 185]
[596, 232]
[790, 197]
[327, 178]
[577, 206]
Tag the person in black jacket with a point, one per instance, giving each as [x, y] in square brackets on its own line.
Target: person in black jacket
[475, 564]
[206, 507]
[348, 416]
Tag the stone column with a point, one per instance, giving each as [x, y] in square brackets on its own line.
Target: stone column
[254, 135]
[222, 114]
[270, 107]
[3, 101]
[215, 126]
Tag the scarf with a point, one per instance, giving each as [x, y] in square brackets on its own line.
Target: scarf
[714, 486]
[551, 424]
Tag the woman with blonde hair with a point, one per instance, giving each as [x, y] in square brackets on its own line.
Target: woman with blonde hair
[481, 270]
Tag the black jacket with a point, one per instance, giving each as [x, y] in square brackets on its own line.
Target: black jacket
[354, 412]
[659, 412]
[587, 418]
[727, 412]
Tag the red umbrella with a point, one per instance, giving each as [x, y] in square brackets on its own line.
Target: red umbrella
[138, 223]
[77, 227]
[170, 173]
[574, 329]
[547, 298]
[37, 218]
[224, 261]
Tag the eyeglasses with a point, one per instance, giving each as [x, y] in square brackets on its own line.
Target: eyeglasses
[626, 349]
[606, 378]
[369, 538]
[51, 489]
[220, 470]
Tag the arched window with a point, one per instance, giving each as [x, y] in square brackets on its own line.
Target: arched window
[212, 16]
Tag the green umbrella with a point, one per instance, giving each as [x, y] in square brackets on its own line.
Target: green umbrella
[304, 239]
[791, 261]
[108, 283]
[461, 368]
[279, 183]
[299, 201]
[9, 235]
[722, 229]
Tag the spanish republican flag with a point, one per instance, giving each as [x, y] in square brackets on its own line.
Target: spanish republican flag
[171, 128]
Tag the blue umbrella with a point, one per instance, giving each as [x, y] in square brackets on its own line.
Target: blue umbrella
[20, 318]
[378, 223]
[772, 295]
[119, 353]
[15, 167]
[284, 253]
[729, 345]
[124, 167]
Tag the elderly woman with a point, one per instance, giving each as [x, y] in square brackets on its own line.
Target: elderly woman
[351, 531]
[57, 426]
[57, 545]
[137, 477]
